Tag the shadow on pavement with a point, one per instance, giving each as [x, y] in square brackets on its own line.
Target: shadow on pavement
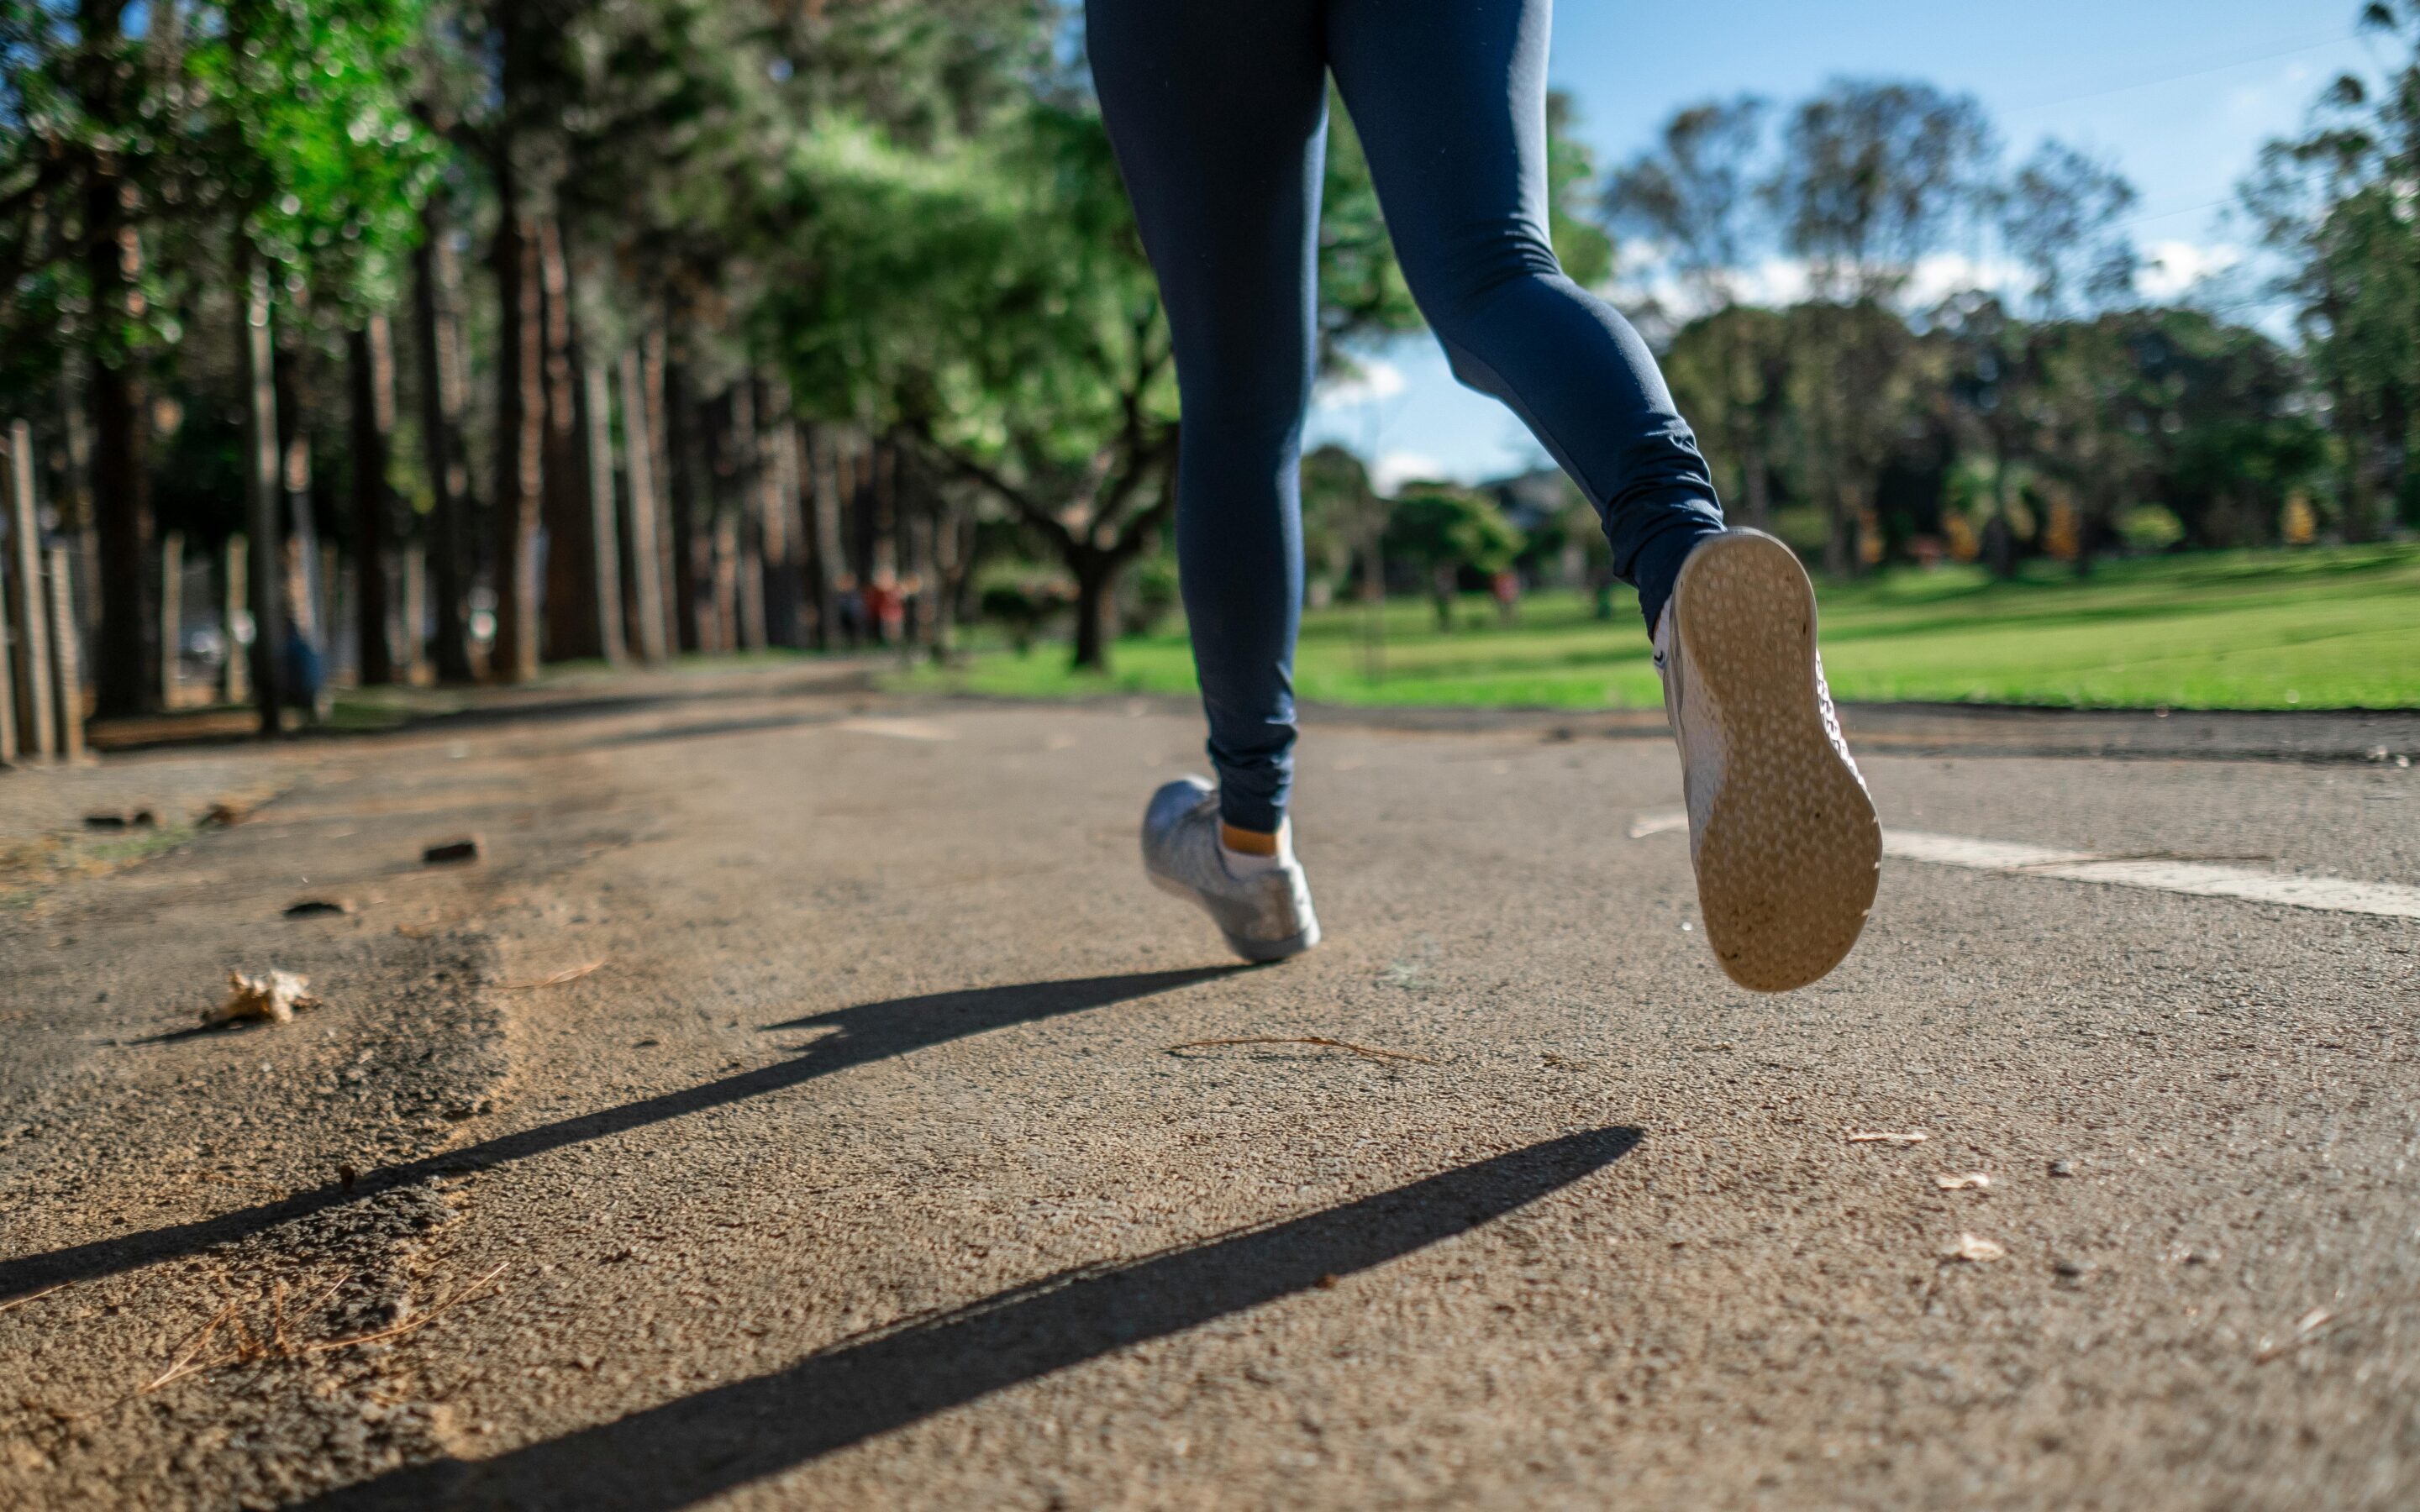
[757, 724]
[870, 1031]
[495, 706]
[699, 1445]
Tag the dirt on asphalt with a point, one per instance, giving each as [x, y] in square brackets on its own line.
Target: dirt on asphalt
[803, 1102]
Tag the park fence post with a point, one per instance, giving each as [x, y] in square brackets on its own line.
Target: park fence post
[29, 623]
[66, 660]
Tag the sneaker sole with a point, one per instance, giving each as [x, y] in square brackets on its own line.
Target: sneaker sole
[1260, 952]
[1792, 850]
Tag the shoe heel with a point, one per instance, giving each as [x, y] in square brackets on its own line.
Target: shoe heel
[1261, 952]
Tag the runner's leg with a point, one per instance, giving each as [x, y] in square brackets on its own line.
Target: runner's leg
[1450, 96]
[1217, 110]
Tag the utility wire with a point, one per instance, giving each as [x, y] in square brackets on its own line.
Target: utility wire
[2172, 78]
[2169, 215]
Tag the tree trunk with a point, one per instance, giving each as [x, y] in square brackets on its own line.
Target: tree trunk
[878, 520]
[1757, 483]
[826, 543]
[596, 413]
[1999, 533]
[437, 338]
[693, 540]
[235, 600]
[869, 532]
[787, 500]
[302, 585]
[953, 556]
[1841, 534]
[725, 566]
[31, 626]
[784, 574]
[572, 587]
[748, 514]
[1374, 600]
[647, 553]
[521, 442]
[2360, 506]
[256, 343]
[74, 499]
[172, 612]
[66, 657]
[654, 365]
[370, 352]
[124, 679]
[1096, 601]
[127, 678]
[329, 596]
[415, 613]
[915, 558]
[8, 752]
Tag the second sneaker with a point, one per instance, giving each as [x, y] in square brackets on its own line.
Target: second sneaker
[1264, 912]
[1781, 829]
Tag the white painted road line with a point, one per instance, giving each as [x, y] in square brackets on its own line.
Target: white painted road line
[1660, 821]
[2335, 895]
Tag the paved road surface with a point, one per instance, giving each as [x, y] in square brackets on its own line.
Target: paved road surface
[888, 1156]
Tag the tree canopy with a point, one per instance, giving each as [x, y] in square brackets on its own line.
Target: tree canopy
[693, 324]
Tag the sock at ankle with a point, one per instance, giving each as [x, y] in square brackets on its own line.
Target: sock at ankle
[1247, 863]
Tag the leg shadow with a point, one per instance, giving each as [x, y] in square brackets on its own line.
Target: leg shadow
[699, 1445]
[867, 1032]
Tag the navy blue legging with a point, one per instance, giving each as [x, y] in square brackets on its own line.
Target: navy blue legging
[1219, 112]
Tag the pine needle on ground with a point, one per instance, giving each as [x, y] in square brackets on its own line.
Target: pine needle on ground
[275, 1342]
[1319, 1040]
[555, 979]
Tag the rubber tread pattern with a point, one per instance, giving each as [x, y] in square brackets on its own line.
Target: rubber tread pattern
[1791, 855]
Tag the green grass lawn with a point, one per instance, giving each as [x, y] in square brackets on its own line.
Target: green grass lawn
[2318, 627]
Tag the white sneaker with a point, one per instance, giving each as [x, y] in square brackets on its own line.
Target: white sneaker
[1781, 827]
[1265, 913]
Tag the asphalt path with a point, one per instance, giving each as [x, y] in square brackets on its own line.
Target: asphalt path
[803, 1103]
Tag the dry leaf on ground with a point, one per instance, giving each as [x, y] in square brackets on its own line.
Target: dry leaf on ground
[276, 996]
[1974, 1248]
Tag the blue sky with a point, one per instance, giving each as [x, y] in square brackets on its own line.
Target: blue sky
[2180, 95]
